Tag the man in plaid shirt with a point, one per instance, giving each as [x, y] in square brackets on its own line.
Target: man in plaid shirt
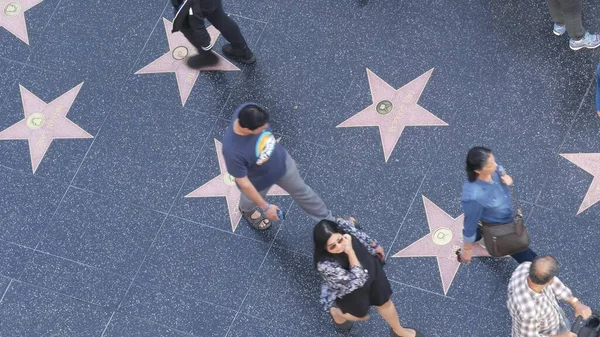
[533, 292]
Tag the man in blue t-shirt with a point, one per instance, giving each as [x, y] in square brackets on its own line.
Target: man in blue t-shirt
[257, 161]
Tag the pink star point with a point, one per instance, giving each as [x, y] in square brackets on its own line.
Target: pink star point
[394, 109]
[174, 61]
[224, 185]
[589, 162]
[442, 241]
[44, 122]
[12, 16]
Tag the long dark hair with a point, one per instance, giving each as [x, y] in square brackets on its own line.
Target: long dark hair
[321, 233]
[476, 159]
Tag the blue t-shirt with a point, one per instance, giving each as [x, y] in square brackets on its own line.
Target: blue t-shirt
[260, 157]
[489, 202]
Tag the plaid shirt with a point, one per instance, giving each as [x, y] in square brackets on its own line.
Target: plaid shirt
[534, 314]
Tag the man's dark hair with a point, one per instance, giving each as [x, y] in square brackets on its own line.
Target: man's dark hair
[543, 269]
[253, 117]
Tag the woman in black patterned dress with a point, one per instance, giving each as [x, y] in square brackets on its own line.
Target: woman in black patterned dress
[351, 263]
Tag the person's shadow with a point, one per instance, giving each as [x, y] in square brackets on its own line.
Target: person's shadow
[362, 3]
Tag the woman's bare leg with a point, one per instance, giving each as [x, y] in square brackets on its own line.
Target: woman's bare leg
[339, 317]
[389, 313]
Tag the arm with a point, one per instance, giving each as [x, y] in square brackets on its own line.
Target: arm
[563, 293]
[250, 191]
[362, 237]
[340, 280]
[237, 167]
[473, 211]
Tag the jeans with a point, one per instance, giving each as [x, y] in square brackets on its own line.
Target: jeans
[525, 256]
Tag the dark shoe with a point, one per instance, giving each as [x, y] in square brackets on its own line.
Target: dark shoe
[203, 59]
[244, 55]
[417, 333]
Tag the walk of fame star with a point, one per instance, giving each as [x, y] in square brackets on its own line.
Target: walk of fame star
[444, 238]
[174, 61]
[223, 185]
[394, 109]
[44, 122]
[589, 162]
[12, 16]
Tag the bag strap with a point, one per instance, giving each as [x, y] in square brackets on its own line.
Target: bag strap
[515, 201]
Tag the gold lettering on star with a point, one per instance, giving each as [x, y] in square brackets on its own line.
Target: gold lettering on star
[401, 111]
[57, 113]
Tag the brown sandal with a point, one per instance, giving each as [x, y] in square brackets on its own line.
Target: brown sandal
[256, 223]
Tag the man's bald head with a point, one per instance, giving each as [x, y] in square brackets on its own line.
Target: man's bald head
[543, 269]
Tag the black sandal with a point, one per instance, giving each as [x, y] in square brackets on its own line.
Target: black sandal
[346, 326]
[417, 333]
[256, 222]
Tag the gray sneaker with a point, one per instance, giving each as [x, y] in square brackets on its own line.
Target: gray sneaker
[589, 41]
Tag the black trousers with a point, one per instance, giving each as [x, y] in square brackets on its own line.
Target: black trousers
[195, 31]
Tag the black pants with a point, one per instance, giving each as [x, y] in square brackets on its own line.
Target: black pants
[525, 256]
[195, 31]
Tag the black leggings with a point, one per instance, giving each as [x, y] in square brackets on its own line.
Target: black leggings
[194, 30]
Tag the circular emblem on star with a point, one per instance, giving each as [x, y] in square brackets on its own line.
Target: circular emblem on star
[442, 236]
[180, 53]
[35, 121]
[384, 107]
[229, 179]
[12, 9]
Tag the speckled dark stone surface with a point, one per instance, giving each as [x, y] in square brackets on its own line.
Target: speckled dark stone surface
[100, 241]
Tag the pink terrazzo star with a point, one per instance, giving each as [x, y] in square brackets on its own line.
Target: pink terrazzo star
[174, 61]
[589, 162]
[224, 186]
[444, 238]
[12, 16]
[394, 109]
[44, 122]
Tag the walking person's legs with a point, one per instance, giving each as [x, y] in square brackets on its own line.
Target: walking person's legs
[390, 315]
[237, 46]
[227, 26]
[571, 10]
[302, 194]
[525, 256]
[250, 213]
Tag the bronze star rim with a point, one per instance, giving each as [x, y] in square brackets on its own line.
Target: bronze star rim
[442, 236]
[35, 121]
[12, 9]
[180, 53]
